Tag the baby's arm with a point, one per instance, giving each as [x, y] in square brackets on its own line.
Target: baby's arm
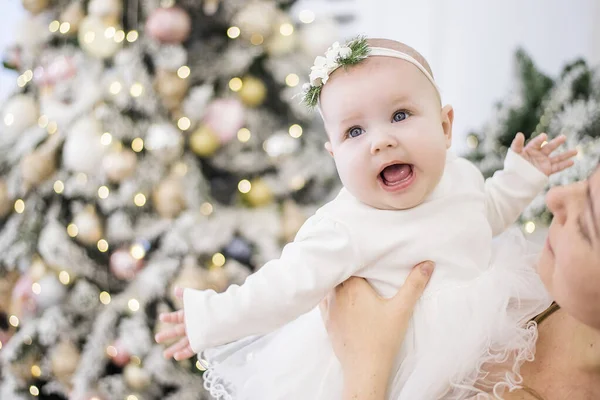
[321, 256]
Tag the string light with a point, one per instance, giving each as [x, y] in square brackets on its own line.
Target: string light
[64, 277]
[72, 230]
[132, 36]
[119, 36]
[36, 371]
[139, 200]
[28, 75]
[244, 135]
[110, 32]
[112, 351]
[21, 81]
[137, 251]
[292, 80]
[102, 245]
[133, 304]
[200, 366]
[295, 131]
[472, 141]
[103, 192]
[257, 39]
[59, 187]
[13, 320]
[529, 227]
[65, 27]
[136, 89]
[43, 121]
[244, 186]
[115, 87]
[132, 397]
[306, 16]
[106, 138]
[36, 288]
[286, 29]
[34, 390]
[184, 123]
[235, 84]
[105, 298]
[183, 72]
[297, 182]
[181, 169]
[54, 26]
[137, 145]
[9, 119]
[19, 206]
[233, 32]
[206, 209]
[136, 360]
[218, 259]
[52, 128]
[27, 340]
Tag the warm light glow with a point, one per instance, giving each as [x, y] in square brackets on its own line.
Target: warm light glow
[295, 131]
[235, 84]
[200, 366]
[257, 39]
[54, 26]
[472, 141]
[181, 169]
[136, 90]
[244, 186]
[21, 81]
[27, 340]
[72, 230]
[106, 138]
[218, 259]
[36, 288]
[292, 80]
[139, 200]
[112, 351]
[13, 320]
[133, 304]
[184, 123]
[52, 127]
[297, 182]
[110, 32]
[64, 277]
[103, 192]
[137, 145]
[132, 36]
[183, 72]
[233, 32]
[132, 397]
[119, 36]
[36, 371]
[89, 37]
[137, 251]
[115, 87]
[43, 121]
[244, 135]
[28, 75]
[103, 245]
[286, 29]
[19, 206]
[544, 143]
[34, 390]
[306, 16]
[82, 178]
[65, 27]
[136, 360]
[530, 227]
[9, 119]
[59, 187]
[206, 209]
[105, 298]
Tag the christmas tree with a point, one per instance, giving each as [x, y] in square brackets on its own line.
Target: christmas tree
[566, 105]
[150, 144]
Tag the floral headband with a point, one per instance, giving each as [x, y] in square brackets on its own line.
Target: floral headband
[351, 53]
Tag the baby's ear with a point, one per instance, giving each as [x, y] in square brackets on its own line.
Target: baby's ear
[447, 121]
[329, 148]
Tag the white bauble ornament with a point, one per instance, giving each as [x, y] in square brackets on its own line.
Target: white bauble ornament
[83, 151]
[35, 6]
[20, 113]
[31, 36]
[171, 88]
[119, 165]
[64, 360]
[107, 10]
[317, 37]
[40, 164]
[257, 17]
[164, 141]
[136, 377]
[93, 37]
[89, 226]
[52, 292]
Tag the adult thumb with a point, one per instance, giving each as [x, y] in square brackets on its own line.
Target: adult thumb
[415, 284]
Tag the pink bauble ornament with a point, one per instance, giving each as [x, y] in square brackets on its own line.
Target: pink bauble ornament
[169, 25]
[58, 70]
[119, 354]
[225, 117]
[23, 303]
[123, 265]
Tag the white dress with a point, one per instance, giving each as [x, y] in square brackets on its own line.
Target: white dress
[265, 339]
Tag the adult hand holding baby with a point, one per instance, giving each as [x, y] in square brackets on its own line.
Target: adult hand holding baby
[181, 349]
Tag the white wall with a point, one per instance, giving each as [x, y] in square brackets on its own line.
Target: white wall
[470, 43]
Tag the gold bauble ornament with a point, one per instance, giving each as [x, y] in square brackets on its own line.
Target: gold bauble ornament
[260, 193]
[253, 91]
[171, 88]
[5, 200]
[204, 142]
[136, 377]
[119, 164]
[35, 6]
[40, 165]
[93, 37]
[169, 198]
[64, 361]
[89, 226]
[73, 15]
[292, 219]
[21, 368]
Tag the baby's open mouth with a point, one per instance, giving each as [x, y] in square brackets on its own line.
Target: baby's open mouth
[396, 174]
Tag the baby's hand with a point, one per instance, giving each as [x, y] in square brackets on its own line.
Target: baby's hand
[540, 155]
[180, 350]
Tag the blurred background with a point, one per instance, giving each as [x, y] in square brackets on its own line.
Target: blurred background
[151, 143]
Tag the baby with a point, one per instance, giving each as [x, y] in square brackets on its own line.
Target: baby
[406, 199]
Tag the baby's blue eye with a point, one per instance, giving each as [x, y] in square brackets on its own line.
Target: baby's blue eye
[400, 116]
[354, 132]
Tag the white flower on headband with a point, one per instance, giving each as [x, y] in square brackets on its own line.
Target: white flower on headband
[324, 66]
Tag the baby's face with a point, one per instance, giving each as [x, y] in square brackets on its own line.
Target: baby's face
[388, 133]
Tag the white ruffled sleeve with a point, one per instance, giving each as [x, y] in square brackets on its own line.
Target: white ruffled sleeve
[510, 190]
[321, 256]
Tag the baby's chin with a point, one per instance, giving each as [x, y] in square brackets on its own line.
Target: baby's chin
[393, 202]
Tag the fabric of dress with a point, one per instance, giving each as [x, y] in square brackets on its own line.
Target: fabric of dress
[469, 333]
